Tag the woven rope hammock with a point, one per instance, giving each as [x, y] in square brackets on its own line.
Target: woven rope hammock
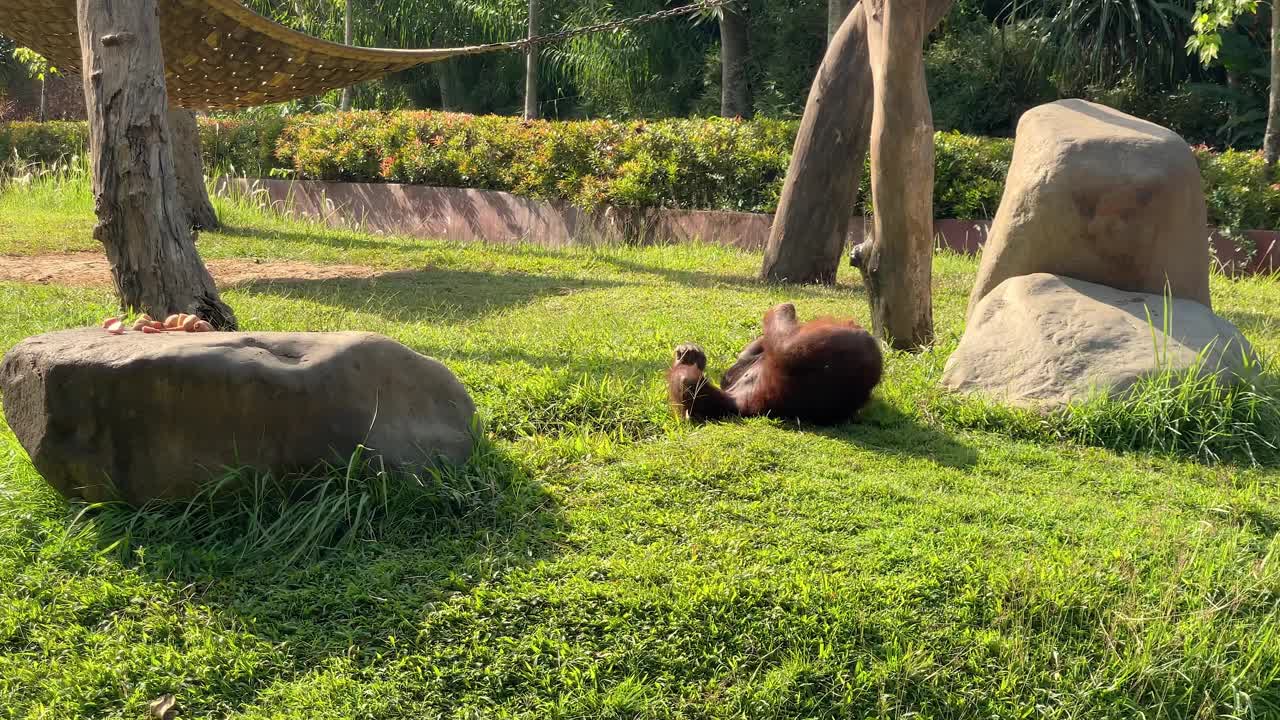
[220, 55]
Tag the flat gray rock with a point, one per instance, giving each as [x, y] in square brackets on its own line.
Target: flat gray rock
[1044, 341]
[140, 416]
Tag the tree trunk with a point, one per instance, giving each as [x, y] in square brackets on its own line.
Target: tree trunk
[141, 219]
[1271, 141]
[188, 168]
[898, 266]
[531, 66]
[812, 222]
[447, 78]
[735, 83]
[837, 11]
[43, 100]
[347, 36]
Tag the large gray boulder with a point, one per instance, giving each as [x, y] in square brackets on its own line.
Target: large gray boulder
[140, 416]
[1095, 194]
[1043, 341]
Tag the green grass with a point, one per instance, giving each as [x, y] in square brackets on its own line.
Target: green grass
[600, 560]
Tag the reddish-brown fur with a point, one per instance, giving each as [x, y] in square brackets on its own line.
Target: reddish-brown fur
[821, 372]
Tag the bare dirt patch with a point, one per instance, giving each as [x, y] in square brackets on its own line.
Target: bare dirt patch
[92, 270]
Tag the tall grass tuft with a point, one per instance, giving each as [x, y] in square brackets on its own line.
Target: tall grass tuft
[243, 517]
[71, 171]
[1190, 412]
[1185, 412]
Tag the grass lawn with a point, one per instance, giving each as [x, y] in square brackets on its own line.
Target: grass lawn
[605, 561]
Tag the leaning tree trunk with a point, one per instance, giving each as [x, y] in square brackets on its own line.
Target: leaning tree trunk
[188, 166]
[812, 221]
[141, 219]
[344, 104]
[1271, 141]
[837, 11]
[735, 82]
[898, 266]
[531, 66]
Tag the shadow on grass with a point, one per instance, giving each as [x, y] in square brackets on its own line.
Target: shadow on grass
[693, 278]
[886, 429]
[1251, 322]
[362, 580]
[411, 295]
[363, 239]
[334, 238]
[579, 363]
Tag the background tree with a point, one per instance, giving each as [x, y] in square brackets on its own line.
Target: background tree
[1271, 140]
[735, 79]
[347, 37]
[986, 63]
[1084, 42]
[1211, 18]
[656, 70]
[531, 65]
[39, 69]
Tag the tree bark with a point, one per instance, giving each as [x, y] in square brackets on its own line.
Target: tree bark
[898, 266]
[347, 36]
[188, 167]
[1271, 141]
[837, 11]
[141, 220]
[735, 82]
[812, 221]
[531, 66]
[446, 75]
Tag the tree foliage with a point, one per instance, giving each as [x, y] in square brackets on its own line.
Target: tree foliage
[987, 62]
[34, 63]
[1211, 17]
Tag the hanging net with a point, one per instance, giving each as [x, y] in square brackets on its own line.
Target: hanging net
[220, 55]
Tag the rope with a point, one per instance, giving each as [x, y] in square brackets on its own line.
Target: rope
[610, 26]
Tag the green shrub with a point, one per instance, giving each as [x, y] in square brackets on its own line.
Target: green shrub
[968, 176]
[239, 147]
[1238, 191]
[45, 143]
[711, 163]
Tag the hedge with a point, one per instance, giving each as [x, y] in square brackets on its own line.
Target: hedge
[709, 163]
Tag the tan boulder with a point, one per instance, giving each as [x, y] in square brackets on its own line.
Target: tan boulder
[1098, 195]
[1043, 341]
